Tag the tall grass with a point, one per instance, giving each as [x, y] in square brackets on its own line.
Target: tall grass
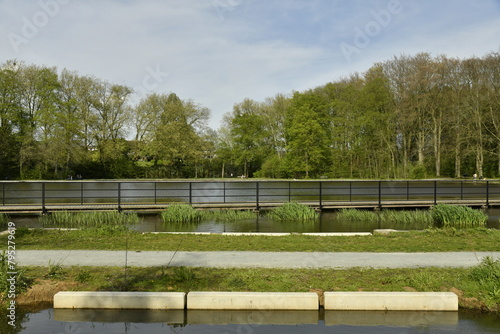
[293, 211]
[181, 213]
[486, 278]
[4, 220]
[458, 216]
[407, 216]
[185, 213]
[357, 215]
[88, 219]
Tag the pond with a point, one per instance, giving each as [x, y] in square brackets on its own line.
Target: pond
[256, 322]
[328, 222]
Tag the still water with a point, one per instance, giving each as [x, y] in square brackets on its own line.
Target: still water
[328, 222]
[256, 322]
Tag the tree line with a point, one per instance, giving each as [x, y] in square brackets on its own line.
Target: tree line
[408, 117]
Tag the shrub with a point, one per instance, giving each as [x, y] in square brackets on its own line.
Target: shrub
[88, 219]
[458, 216]
[293, 211]
[181, 213]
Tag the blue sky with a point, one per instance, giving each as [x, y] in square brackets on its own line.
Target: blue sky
[218, 52]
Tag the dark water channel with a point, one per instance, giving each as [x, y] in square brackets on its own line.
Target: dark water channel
[257, 322]
[328, 222]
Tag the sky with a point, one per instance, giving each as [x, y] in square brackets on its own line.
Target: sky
[219, 52]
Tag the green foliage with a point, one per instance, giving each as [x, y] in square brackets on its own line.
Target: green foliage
[486, 279]
[55, 270]
[184, 275]
[293, 211]
[458, 216]
[181, 213]
[407, 216]
[21, 281]
[108, 222]
[357, 215]
[4, 220]
[185, 213]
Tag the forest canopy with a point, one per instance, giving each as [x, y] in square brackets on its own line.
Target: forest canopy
[408, 117]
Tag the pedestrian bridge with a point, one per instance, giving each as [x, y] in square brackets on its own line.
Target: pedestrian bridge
[155, 195]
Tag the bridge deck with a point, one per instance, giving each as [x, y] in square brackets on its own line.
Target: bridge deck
[327, 205]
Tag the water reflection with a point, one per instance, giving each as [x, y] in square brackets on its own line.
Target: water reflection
[313, 322]
[328, 222]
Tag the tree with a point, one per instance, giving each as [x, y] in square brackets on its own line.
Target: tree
[249, 136]
[306, 135]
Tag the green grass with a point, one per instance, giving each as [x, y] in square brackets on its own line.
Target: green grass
[432, 240]
[357, 215]
[293, 211]
[88, 219]
[181, 213]
[184, 279]
[406, 217]
[442, 215]
[4, 220]
[458, 216]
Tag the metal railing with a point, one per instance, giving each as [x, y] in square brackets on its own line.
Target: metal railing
[256, 193]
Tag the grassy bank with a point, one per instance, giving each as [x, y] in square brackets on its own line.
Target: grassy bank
[433, 240]
[464, 282]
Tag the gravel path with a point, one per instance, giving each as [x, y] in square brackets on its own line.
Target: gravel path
[250, 259]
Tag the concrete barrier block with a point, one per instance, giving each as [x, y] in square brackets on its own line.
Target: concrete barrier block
[391, 301]
[252, 301]
[120, 300]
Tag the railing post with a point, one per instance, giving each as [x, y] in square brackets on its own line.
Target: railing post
[350, 191]
[119, 196]
[289, 191]
[3, 194]
[408, 191]
[81, 193]
[156, 201]
[257, 194]
[461, 190]
[320, 195]
[190, 193]
[487, 193]
[379, 194]
[43, 198]
[435, 192]
[224, 191]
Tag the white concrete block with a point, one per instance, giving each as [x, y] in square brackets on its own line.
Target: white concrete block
[120, 300]
[252, 301]
[391, 301]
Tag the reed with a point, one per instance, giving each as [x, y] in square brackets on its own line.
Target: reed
[457, 216]
[88, 219]
[357, 215]
[404, 217]
[407, 216]
[293, 211]
[181, 213]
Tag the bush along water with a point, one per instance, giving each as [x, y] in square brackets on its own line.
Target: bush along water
[456, 216]
[293, 211]
[185, 213]
[387, 216]
[109, 222]
[181, 213]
